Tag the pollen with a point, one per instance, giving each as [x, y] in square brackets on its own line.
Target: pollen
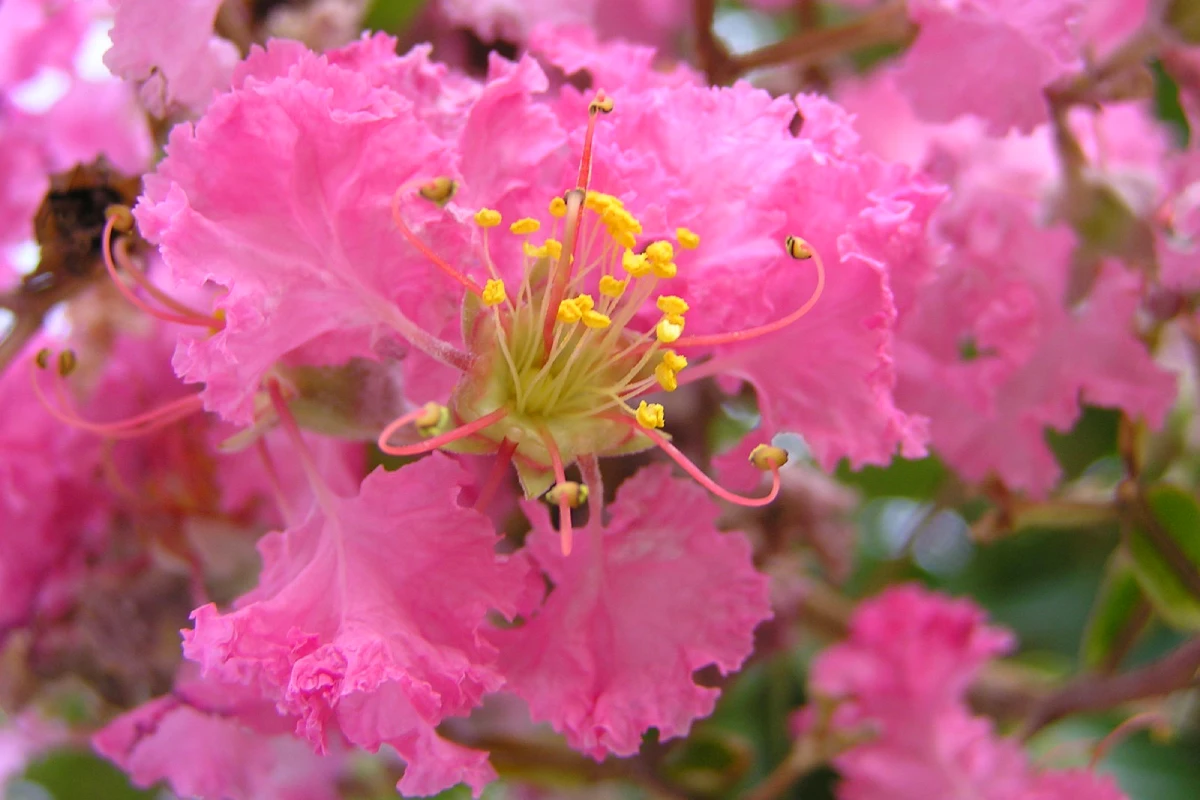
[668, 330]
[568, 312]
[611, 287]
[553, 248]
[670, 304]
[585, 303]
[660, 252]
[665, 271]
[576, 494]
[688, 240]
[635, 264]
[493, 293]
[650, 415]
[675, 361]
[487, 218]
[433, 417]
[558, 208]
[594, 319]
[666, 377]
[525, 225]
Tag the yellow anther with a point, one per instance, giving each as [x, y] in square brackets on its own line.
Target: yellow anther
[532, 250]
[525, 225]
[599, 201]
[493, 293]
[433, 417]
[611, 287]
[487, 218]
[670, 304]
[664, 270]
[675, 361]
[594, 319]
[439, 190]
[558, 208]
[767, 457]
[688, 239]
[603, 104]
[666, 377]
[585, 303]
[553, 248]
[635, 264]
[668, 330]
[625, 239]
[42, 359]
[576, 494]
[568, 312]
[650, 415]
[660, 252]
[797, 248]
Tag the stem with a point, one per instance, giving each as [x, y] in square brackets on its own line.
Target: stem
[1175, 671]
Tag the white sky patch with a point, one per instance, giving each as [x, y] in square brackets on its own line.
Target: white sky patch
[742, 30]
[89, 62]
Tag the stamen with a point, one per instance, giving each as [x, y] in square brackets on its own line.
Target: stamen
[429, 445]
[326, 497]
[129, 428]
[281, 500]
[561, 275]
[120, 219]
[504, 457]
[696, 473]
[797, 248]
[416, 242]
[564, 498]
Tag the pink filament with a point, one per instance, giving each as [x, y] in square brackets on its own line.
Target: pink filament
[424, 249]
[564, 502]
[184, 315]
[429, 445]
[761, 330]
[696, 473]
[130, 428]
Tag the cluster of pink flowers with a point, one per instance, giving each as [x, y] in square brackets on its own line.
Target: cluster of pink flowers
[358, 257]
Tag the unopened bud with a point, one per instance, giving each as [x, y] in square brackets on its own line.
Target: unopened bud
[576, 494]
[768, 457]
[439, 190]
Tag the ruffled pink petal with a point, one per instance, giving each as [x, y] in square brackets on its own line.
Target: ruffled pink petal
[368, 620]
[170, 49]
[209, 740]
[989, 58]
[636, 609]
[281, 193]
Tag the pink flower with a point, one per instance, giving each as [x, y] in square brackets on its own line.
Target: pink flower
[647, 600]
[37, 35]
[654, 22]
[903, 674]
[170, 49]
[990, 58]
[368, 622]
[217, 740]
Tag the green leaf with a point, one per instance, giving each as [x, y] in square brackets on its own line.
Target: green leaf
[392, 16]
[1119, 611]
[1164, 545]
[80, 775]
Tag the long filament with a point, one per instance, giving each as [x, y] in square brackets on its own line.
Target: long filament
[566, 532]
[424, 249]
[429, 445]
[503, 459]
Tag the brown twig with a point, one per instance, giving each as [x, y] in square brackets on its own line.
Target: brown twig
[711, 54]
[889, 24]
[1101, 692]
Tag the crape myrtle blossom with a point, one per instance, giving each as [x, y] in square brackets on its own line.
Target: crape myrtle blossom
[998, 345]
[170, 51]
[903, 674]
[364, 208]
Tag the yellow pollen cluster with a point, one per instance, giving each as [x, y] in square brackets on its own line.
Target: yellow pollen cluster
[525, 225]
[667, 371]
[558, 208]
[487, 218]
[687, 239]
[611, 287]
[493, 293]
[622, 226]
[650, 415]
[582, 309]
